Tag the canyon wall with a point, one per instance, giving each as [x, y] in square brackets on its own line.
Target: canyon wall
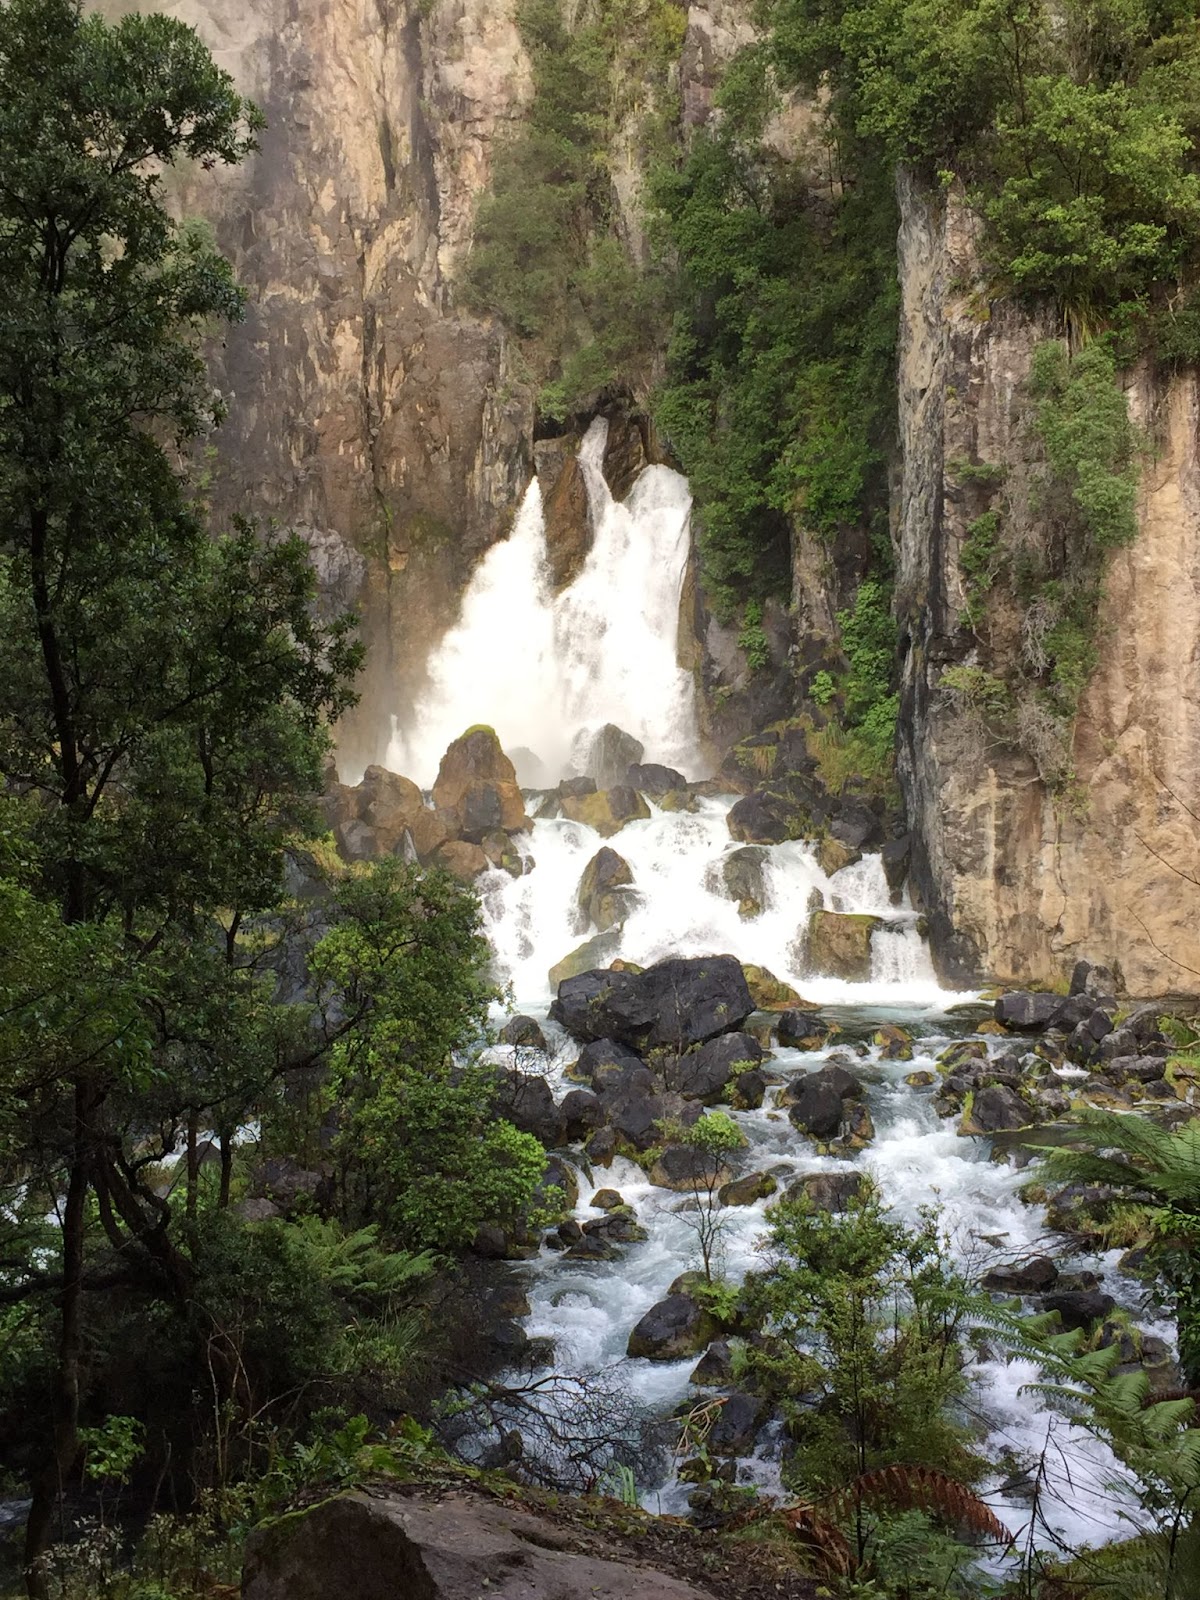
[395, 428]
[1019, 881]
[365, 407]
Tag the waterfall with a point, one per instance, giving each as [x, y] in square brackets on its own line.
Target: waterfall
[541, 668]
[544, 668]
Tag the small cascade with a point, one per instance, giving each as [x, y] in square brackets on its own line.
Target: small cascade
[682, 908]
[542, 668]
[545, 670]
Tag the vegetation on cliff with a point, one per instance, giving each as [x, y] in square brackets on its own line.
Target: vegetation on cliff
[165, 696]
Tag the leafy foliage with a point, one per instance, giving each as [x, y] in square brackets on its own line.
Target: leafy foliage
[548, 256]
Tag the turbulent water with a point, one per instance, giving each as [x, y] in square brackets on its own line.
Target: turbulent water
[544, 669]
[541, 668]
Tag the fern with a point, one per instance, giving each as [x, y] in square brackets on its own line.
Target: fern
[905, 1488]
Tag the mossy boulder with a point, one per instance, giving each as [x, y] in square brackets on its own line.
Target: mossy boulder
[768, 992]
[745, 1191]
[607, 810]
[741, 876]
[839, 944]
[895, 1042]
[592, 953]
[833, 854]
[673, 1328]
[604, 889]
[476, 790]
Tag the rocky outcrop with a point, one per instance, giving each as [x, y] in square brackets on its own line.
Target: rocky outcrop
[365, 403]
[476, 791]
[675, 1003]
[455, 1547]
[1018, 882]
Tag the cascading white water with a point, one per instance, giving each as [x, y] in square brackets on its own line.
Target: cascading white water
[540, 668]
[682, 909]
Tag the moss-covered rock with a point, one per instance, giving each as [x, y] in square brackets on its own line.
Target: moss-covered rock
[770, 993]
[607, 810]
[839, 944]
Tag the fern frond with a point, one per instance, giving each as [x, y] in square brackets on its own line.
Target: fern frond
[908, 1488]
[824, 1538]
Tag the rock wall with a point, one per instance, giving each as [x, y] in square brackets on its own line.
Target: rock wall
[363, 404]
[1019, 883]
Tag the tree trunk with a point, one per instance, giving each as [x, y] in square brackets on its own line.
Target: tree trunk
[48, 1485]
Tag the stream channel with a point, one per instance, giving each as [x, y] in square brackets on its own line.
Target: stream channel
[547, 671]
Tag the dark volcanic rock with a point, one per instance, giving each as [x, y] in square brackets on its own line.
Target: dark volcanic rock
[737, 1423]
[827, 1191]
[817, 1108]
[1027, 1012]
[702, 1074]
[1079, 1308]
[674, 1327]
[801, 1030]
[524, 1032]
[1034, 1276]
[996, 1107]
[653, 779]
[675, 1003]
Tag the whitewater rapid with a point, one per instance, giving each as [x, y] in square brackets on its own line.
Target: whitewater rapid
[547, 669]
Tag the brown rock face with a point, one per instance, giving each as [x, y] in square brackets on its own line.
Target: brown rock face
[1019, 883]
[362, 399]
[373, 817]
[396, 1548]
[476, 791]
[840, 945]
[568, 526]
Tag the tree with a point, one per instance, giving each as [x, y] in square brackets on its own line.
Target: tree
[419, 1144]
[868, 1317]
[164, 695]
[714, 1137]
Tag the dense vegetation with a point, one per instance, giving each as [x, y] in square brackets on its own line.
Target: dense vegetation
[165, 698]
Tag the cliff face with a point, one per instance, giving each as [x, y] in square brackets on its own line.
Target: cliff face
[363, 406]
[1019, 882]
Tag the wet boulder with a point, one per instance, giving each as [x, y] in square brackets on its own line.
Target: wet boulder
[741, 876]
[684, 1168]
[653, 779]
[1083, 1046]
[816, 1109]
[802, 1030]
[1079, 1308]
[747, 1190]
[827, 1191]
[609, 754]
[604, 889]
[715, 1366]
[995, 1108]
[581, 1113]
[476, 789]
[561, 1178]
[527, 1101]
[607, 1199]
[673, 1328]
[1094, 980]
[761, 818]
[896, 857]
[768, 992]
[676, 1003]
[1034, 1276]
[600, 1059]
[703, 1073]
[749, 1090]
[619, 1225]
[608, 810]
[1026, 1012]
[524, 1032]
[833, 854]
[733, 1433]
[585, 957]
[839, 944]
[460, 858]
[895, 1042]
